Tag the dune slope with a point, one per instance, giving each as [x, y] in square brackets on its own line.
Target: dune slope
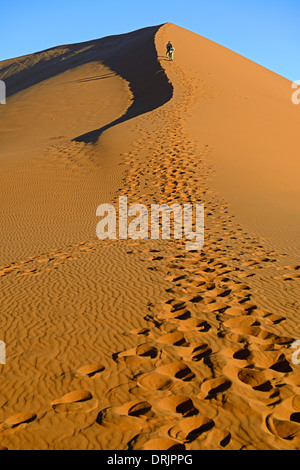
[245, 113]
[141, 344]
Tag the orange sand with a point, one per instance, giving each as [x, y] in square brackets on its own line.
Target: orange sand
[141, 344]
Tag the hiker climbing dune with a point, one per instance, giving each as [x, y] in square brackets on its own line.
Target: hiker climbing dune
[170, 51]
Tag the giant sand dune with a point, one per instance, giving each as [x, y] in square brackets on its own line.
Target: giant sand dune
[143, 344]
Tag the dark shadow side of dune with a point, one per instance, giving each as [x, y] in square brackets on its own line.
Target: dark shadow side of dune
[133, 56]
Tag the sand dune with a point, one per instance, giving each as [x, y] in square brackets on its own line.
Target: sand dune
[141, 344]
[246, 116]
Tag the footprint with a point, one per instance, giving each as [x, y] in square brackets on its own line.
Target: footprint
[254, 378]
[236, 404]
[179, 404]
[173, 304]
[17, 419]
[218, 292]
[281, 428]
[211, 387]
[257, 334]
[178, 369]
[274, 318]
[216, 307]
[176, 338]
[269, 360]
[134, 408]
[238, 322]
[243, 275]
[90, 370]
[122, 418]
[194, 324]
[249, 263]
[221, 437]
[76, 401]
[247, 306]
[195, 351]
[189, 429]
[154, 381]
[294, 267]
[180, 314]
[255, 384]
[142, 351]
[162, 443]
[140, 331]
[295, 408]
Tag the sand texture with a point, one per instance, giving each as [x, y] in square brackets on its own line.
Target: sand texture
[142, 344]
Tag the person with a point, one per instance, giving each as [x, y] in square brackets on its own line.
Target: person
[170, 50]
[169, 46]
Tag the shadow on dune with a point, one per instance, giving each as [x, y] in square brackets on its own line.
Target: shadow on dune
[133, 56]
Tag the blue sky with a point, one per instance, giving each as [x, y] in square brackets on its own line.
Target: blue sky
[265, 31]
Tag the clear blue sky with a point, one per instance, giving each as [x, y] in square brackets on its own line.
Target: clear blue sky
[266, 31]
